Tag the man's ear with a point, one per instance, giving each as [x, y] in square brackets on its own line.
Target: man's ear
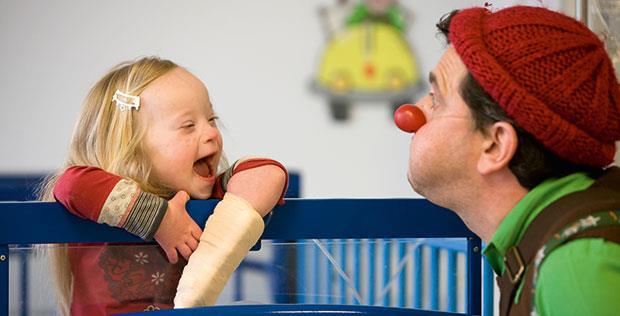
[498, 147]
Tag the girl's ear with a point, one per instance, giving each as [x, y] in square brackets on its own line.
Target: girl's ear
[498, 147]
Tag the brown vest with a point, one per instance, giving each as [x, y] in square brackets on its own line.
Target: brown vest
[603, 195]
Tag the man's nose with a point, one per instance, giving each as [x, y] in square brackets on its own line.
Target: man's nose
[425, 103]
[409, 118]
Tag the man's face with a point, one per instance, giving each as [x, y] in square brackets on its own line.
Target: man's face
[444, 152]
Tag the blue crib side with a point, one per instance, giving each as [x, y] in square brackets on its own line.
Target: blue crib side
[297, 219]
[21, 187]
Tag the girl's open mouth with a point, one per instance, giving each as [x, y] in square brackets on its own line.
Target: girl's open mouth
[204, 168]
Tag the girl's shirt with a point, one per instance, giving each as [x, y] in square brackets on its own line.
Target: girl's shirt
[115, 278]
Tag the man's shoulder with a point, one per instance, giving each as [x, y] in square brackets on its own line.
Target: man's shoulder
[581, 277]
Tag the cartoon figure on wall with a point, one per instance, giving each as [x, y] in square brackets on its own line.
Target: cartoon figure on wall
[367, 56]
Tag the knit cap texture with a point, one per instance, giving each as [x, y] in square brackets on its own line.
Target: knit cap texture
[549, 72]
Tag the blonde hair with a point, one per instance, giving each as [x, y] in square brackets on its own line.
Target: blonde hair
[110, 139]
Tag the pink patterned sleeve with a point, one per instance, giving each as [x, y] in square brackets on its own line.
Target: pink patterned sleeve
[95, 194]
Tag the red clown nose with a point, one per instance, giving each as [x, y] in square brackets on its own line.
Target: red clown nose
[409, 118]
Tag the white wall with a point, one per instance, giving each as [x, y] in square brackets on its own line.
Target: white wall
[256, 58]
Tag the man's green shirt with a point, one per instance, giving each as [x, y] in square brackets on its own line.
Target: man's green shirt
[581, 277]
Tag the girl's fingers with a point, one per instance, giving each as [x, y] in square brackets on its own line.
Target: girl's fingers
[196, 232]
[172, 255]
[185, 251]
[192, 244]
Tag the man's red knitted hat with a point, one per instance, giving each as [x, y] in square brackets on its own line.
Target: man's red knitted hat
[549, 72]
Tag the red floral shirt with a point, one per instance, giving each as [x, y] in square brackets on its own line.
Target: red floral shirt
[119, 278]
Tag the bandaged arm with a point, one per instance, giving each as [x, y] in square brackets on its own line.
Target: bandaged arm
[233, 228]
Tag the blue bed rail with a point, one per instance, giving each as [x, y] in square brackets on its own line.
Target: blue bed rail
[19, 187]
[308, 310]
[41, 223]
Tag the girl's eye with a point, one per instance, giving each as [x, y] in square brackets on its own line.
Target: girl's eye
[188, 125]
[213, 120]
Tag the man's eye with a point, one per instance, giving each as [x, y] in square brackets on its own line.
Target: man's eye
[433, 101]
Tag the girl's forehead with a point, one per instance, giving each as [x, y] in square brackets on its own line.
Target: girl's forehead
[175, 90]
[177, 80]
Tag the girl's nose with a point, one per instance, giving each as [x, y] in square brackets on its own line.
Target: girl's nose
[409, 118]
[209, 133]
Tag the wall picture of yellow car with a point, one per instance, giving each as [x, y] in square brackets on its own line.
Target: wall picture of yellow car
[369, 59]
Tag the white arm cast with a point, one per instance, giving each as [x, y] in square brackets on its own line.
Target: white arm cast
[230, 232]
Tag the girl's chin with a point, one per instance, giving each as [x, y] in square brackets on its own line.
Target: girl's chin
[201, 195]
[202, 191]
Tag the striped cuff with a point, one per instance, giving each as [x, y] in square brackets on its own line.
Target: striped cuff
[146, 215]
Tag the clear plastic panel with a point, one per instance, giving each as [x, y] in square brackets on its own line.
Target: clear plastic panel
[412, 273]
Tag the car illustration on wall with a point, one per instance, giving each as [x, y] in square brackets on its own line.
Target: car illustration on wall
[368, 59]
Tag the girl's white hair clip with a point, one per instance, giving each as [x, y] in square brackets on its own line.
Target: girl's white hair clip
[126, 101]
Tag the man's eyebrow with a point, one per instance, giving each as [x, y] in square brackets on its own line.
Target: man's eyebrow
[432, 78]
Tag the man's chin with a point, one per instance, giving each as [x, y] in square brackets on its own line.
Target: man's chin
[418, 187]
[414, 184]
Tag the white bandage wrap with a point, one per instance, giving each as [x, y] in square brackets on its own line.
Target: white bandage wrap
[233, 228]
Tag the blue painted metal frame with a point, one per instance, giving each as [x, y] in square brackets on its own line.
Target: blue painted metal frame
[297, 219]
[488, 280]
[19, 187]
[451, 276]
[293, 309]
[4, 279]
[386, 272]
[474, 274]
[342, 289]
[357, 251]
[402, 281]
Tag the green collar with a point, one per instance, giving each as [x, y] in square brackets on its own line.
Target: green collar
[513, 226]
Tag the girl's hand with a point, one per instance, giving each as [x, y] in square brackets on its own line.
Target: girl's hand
[178, 233]
[261, 186]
